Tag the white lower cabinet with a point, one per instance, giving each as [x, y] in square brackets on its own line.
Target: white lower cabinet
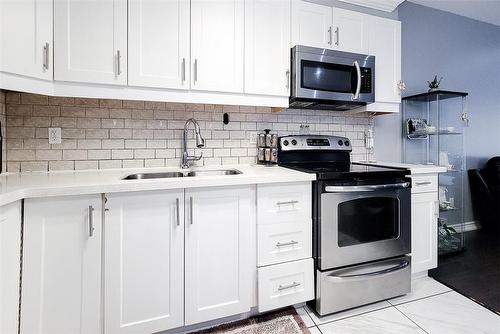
[61, 277]
[144, 261]
[424, 216]
[10, 249]
[220, 252]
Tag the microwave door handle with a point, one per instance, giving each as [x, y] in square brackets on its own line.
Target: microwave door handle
[358, 83]
[353, 189]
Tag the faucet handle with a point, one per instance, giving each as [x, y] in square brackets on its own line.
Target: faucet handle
[194, 157]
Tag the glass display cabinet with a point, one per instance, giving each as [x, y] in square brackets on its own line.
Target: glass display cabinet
[434, 125]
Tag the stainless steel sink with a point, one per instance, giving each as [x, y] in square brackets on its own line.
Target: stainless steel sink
[214, 172]
[142, 176]
[166, 175]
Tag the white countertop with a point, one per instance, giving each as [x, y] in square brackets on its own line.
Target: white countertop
[16, 186]
[414, 169]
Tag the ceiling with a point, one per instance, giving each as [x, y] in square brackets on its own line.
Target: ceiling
[481, 10]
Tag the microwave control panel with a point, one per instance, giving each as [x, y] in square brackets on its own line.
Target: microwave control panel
[366, 80]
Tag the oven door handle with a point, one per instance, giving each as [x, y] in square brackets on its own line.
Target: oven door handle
[352, 189]
[336, 278]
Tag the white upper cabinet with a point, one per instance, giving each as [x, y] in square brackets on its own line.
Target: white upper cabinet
[158, 43]
[217, 33]
[10, 263]
[385, 45]
[267, 47]
[26, 38]
[61, 277]
[144, 261]
[350, 31]
[90, 39]
[311, 24]
[220, 252]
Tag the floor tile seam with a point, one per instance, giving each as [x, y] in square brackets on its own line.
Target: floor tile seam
[421, 298]
[352, 316]
[406, 316]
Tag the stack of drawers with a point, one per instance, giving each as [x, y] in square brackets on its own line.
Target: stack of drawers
[284, 243]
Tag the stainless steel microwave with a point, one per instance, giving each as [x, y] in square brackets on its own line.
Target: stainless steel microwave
[331, 80]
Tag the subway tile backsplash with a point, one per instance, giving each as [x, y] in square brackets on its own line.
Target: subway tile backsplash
[102, 134]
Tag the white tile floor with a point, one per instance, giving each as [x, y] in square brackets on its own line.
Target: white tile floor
[431, 308]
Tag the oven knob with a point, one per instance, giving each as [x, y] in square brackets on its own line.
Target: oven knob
[285, 142]
[346, 143]
[341, 143]
[294, 142]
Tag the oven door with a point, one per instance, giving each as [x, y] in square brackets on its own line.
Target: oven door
[364, 223]
[333, 75]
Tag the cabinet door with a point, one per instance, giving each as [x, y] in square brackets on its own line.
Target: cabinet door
[220, 252]
[311, 24]
[90, 40]
[158, 43]
[217, 45]
[267, 47]
[350, 31]
[424, 215]
[61, 283]
[385, 45]
[26, 38]
[10, 262]
[144, 240]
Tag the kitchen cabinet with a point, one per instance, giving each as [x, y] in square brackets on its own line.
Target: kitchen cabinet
[158, 43]
[267, 42]
[385, 44]
[217, 40]
[330, 28]
[90, 41]
[144, 261]
[26, 38]
[10, 263]
[220, 252]
[424, 216]
[61, 277]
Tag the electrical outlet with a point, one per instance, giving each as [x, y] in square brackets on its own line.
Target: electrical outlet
[54, 135]
[252, 137]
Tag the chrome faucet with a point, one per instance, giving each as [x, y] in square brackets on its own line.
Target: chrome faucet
[200, 142]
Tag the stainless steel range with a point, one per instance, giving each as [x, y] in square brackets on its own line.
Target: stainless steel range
[361, 223]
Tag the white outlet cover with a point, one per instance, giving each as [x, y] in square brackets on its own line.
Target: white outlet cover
[54, 135]
[252, 137]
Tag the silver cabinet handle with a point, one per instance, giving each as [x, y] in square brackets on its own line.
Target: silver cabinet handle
[337, 36]
[91, 221]
[178, 212]
[358, 83]
[191, 210]
[287, 202]
[289, 286]
[352, 189]
[118, 63]
[423, 183]
[287, 73]
[45, 64]
[195, 70]
[330, 36]
[290, 243]
[183, 70]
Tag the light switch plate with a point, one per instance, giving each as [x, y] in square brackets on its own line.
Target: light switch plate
[54, 135]
[252, 137]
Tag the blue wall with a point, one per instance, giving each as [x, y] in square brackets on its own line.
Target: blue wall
[466, 53]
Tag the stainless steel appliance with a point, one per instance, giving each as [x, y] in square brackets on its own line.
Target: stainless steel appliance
[333, 80]
[361, 223]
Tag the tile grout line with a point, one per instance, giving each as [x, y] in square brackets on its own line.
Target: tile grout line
[421, 298]
[355, 315]
[410, 319]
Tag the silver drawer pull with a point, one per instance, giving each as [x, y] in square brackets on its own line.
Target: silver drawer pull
[423, 183]
[287, 202]
[289, 286]
[91, 220]
[290, 243]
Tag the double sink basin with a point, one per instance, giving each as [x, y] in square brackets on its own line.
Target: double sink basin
[167, 175]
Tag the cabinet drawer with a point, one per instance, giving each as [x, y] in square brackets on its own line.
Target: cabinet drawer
[285, 284]
[424, 184]
[283, 242]
[284, 203]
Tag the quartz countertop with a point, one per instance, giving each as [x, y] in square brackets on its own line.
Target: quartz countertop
[16, 186]
[414, 168]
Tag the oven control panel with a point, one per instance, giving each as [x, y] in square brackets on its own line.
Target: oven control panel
[314, 142]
